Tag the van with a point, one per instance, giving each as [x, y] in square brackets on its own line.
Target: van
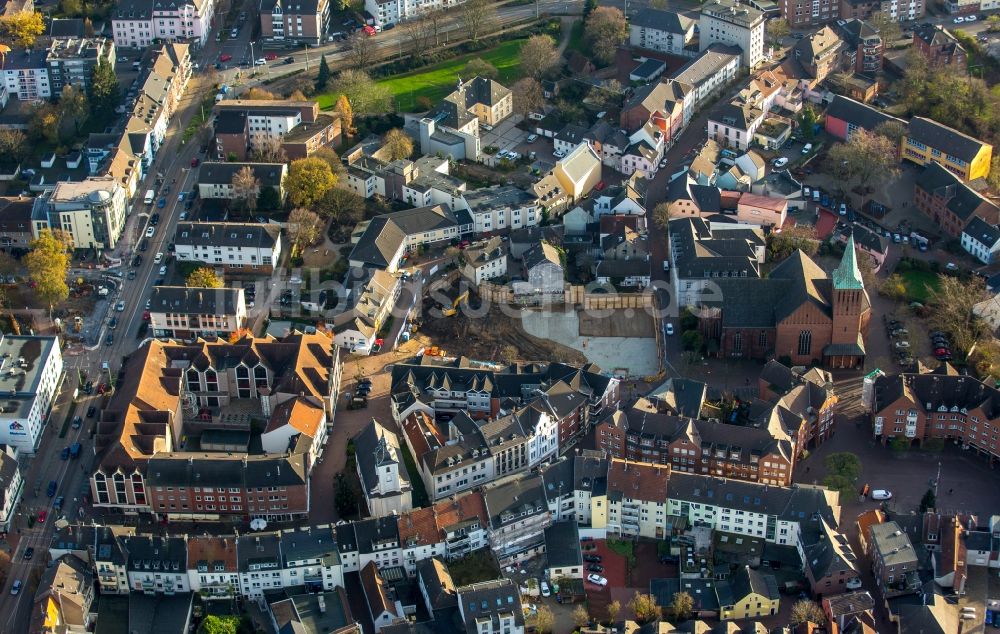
[149, 197]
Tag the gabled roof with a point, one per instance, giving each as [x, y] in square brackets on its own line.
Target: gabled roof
[962, 200]
[982, 232]
[387, 233]
[660, 20]
[268, 174]
[375, 449]
[195, 301]
[948, 140]
[227, 234]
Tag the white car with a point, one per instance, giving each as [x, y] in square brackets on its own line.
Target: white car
[150, 231]
[971, 18]
[663, 163]
[558, 154]
[163, 270]
[958, 20]
[120, 307]
[260, 62]
[881, 494]
[670, 329]
[158, 258]
[597, 579]
[545, 589]
[532, 138]
[807, 148]
[780, 162]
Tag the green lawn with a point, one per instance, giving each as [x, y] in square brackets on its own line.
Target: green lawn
[479, 565]
[917, 283]
[438, 80]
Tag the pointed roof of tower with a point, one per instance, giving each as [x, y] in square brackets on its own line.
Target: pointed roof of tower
[847, 276]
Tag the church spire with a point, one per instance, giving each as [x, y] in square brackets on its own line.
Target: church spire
[847, 276]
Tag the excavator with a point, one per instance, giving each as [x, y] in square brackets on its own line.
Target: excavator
[448, 312]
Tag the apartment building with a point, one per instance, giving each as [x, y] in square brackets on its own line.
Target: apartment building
[242, 125]
[310, 557]
[830, 562]
[157, 565]
[356, 328]
[259, 560]
[213, 566]
[448, 459]
[939, 404]
[72, 61]
[820, 54]
[185, 312]
[215, 180]
[65, 599]
[928, 141]
[662, 31]
[92, 211]
[31, 370]
[304, 22]
[137, 23]
[804, 13]
[491, 607]
[894, 561]
[232, 246]
[981, 240]
[732, 23]
[26, 75]
[863, 45]
[519, 515]
[389, 237]
[940, 47]
[500, 208]
[696, 446]
[946, 199]
[11, 487]
[734, 124]
[15, 224]
[699, 252]
[385, 482]
[485, 260]
[393, 11]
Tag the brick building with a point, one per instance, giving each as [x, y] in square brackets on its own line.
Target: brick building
[940, 47]
[949, 202]
[799, 312]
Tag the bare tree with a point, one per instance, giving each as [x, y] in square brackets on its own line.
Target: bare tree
[528, 95]
[245, 186]
[361, 51]
[538, 55]
[478, 17]
[269, 150]
[435, 20]
[420, 31]
[304, 228]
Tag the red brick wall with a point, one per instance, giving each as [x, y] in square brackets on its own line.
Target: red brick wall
[807, 317]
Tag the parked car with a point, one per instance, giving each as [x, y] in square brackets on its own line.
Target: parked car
[780, 162]
[29, 552]
[271, 57]
[597, 579]
[881, 494]
[64, 454]
[532, 138]
[594, 559]
[42, 516]
[595, 568]
[900, 345]
[120, 307]
[16, 588]
[807, 148]
[669, 329]
[77, 422]
[150, 230]
[91, 411]
[546, 591]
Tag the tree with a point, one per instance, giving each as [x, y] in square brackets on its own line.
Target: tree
[88, 27]
[397, 144]
[308, 181]
[807, 122]
[929, 501]
[993, 23]
[644, 606]
[13, 145]
[479, 67]
[104, 90]
[343, 108]
[323, 75]
[342, 206]
[544, 619]
[866, 159]
[246, 186]
[214, 624]
[269, 149]
[203, 277]
[806, 611]
[993, 179]
[528, 96]
[843, 463]
[420, 34]
[614, 608]
[692, 340]
[361, 50]
[777, 30]
[508, 353]
[953, 300]
[682, 605]
[71, 8]
[580, 616]
[297, 95]
[661, 215]
[269, 199]
[73, 107]
[892, 130]
[538, 55]
[328, 156]
[792, 239]
[894, 287]
[304, 229]
[44, 123]
[588, 8]
[48, 264]
[888, 28]
[256, 93]
[604, 31]
[345, 500]
[23, 27]
[477, 17]
[364, 95]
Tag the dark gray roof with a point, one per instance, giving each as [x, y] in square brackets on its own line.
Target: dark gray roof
[571, 133]
[558, 479]
[963, 201]
[662, 21]
[310, 542]
[227, 234]
[936, 35]
[683, 396]
[830, 554]
[893, 544]
[152, 553]
[67, 27]
[623, 268]
[982, 231]
[941, 137]
[498, 196]
[486, 251]
[195, 301]
[857, 113]
[262, 550]
[373, 531]
[490, 600]
[386, 233]
[506, 502]
[943, 387]
[797, 503]
[701, 590]
[437, 581]
[231, 122]
[562, 544]
[211, 173]
[736, 115]
[188, 469]
[159, 613]
[375, 448]
[743, 583]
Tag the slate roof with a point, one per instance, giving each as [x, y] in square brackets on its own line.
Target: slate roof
[195, 301]
[943, 387]
[376, 448]
[192, 469]
[508, 500]
[212, 173]
[746, 581]
[683, 396]
[488, 601]
[386, 233]
[623, 268]
[227, 234]
[830, 555]
[701, 590]
[660, 20]
[441, 590]
[982, 232]
[948, 140]
[230, 122]
[562, 544]
[962, 200]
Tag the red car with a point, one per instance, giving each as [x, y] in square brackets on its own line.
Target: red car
[271, 57]
[370, 30]
[225, 58]
[42, 516]
[145, 316]
[195, 162]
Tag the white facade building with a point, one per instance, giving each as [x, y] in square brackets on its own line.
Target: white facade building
[136, 23]
[735, 24]
[229, 244]
[31, 369]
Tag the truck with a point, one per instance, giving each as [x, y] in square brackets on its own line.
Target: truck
[74, 450]
[149, 197]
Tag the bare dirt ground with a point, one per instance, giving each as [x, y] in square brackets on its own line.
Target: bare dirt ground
[627, 322]
[485, 338]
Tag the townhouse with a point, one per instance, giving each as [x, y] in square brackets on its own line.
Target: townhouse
[92, 211]
[31, 371]
[310, 557]
[384, 606]
[734, 124]
[636, 498]
[356, 328]
[609, 141]
[518, 516]
[231, 246]
[242, 126]
[216, 180]
[300, 22]
[226, 385]
[420, 538]
[696, 446]
[732, 23]
[370, 540]
[893, 559]
[831, 564]
[748, 594]
[820, 54]
[928, 141]
[938, 404]
[940, 48]
[662, 31]
[65, 598]
[260, 560]
[644, 151]
[184, 312]
[949, 202]
[157, 565]
[384, 480]
[389, 237]
[213, 566]
[15, 224]
[491, 607]
[981, 240]
[485, 260]
[138, 23]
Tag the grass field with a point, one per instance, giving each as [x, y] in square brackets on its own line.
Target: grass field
[917, 283]
[438, 80]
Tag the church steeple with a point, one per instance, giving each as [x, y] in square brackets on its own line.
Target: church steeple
[847, 276]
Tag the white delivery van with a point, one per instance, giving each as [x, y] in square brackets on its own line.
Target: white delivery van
[150, 196]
